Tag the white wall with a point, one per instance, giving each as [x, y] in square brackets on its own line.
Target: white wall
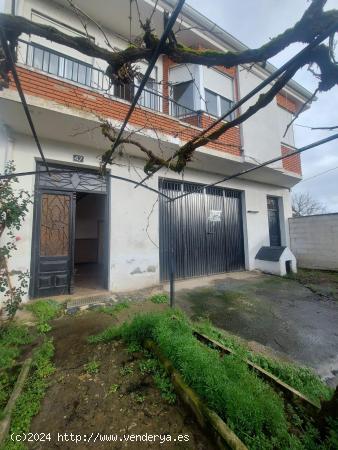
[218, 82]
[284, 118]
[261, 132]
[314, 241]
[5, 144]
[134, 230]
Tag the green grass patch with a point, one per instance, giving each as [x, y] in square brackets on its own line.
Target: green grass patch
[159, 298]
[12, 339]
[253, 410]
[44, 311]
[107, 335]
[321, 282]
[112, 310]
[28, 404]
[92, 367]
[301, 378]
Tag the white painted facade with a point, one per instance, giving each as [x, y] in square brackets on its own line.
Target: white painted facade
[134, 214]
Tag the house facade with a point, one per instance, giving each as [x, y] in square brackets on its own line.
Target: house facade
[93, 232]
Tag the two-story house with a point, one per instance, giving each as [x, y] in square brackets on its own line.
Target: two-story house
[85, 231]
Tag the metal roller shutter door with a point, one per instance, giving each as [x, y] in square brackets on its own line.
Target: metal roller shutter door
[206, 229]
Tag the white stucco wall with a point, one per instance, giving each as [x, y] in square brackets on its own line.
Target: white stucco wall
[314, 241]
[134, 232]
[218, 82]
[284, 119]
[261, 133]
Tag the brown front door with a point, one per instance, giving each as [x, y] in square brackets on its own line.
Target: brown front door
[55, 242]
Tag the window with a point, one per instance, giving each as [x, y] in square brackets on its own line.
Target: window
[182, 93]
[225, 106]
[216, 105]
[149, 97]
[211, 102]
[124, 91]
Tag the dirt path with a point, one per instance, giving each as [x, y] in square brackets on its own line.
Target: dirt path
[85, 404]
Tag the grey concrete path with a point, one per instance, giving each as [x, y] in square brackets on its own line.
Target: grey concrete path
[279, 313]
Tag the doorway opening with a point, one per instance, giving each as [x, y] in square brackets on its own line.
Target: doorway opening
[89, 248]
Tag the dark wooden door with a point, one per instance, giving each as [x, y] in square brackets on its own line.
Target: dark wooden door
[55, 241]
[274, 222]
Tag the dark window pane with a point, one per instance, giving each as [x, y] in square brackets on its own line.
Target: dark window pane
[225, 106]
[124, 91]
[211, 102]
[183, 94]
[148, 98]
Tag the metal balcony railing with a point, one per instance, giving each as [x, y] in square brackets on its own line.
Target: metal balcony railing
[64, 66]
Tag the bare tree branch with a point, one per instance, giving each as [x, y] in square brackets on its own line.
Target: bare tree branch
[308, 102]
[304, 205]
[314, 22]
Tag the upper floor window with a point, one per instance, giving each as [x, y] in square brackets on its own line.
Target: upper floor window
[57, 64]
[183, 94]
[216, 105]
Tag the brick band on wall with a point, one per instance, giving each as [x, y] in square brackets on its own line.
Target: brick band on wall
[292, 163]
[284, 102]
[73, 96]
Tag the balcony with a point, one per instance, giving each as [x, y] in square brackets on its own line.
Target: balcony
[65, 67]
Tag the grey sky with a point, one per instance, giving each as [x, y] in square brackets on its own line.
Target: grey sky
[254, 22]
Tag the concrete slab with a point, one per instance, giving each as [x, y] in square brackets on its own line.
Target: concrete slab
[276, 312]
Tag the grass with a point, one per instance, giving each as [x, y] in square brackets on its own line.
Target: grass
[44, 311]
[28, 404]
[92, 367]
[301, 378]
[112, 310]
[249, 405]
[126, 370]
[159, 298]
[12, 339]
[113, 388]
[321, 282]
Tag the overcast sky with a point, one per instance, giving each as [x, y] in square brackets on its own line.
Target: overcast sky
[255, 21]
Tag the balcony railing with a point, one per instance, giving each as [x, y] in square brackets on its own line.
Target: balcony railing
[68, 68]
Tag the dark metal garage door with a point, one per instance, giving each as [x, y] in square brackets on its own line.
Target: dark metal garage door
[205, 229]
